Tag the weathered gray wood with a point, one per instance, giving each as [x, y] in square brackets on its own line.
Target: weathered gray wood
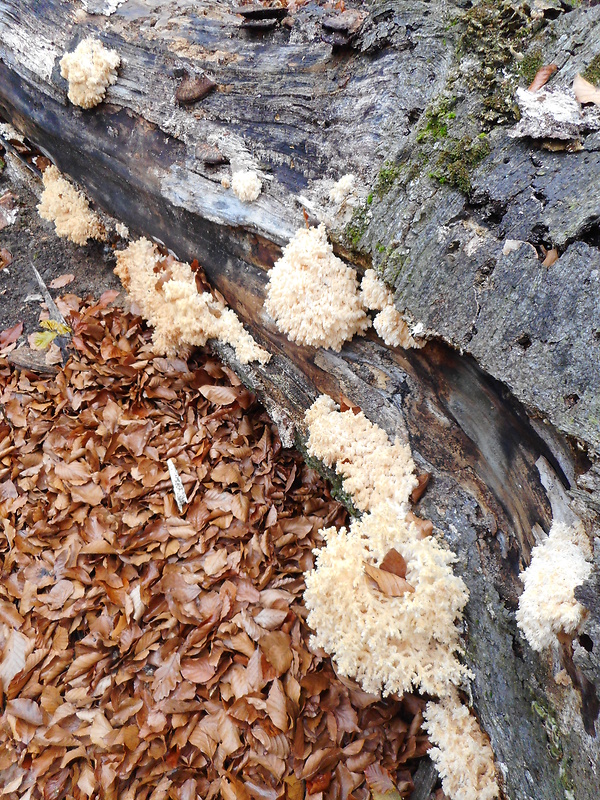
[300, 111]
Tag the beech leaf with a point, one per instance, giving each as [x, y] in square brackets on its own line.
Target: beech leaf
[62, 280]
[59, 328]
[585, 92]
[10, 335]
[219, 395]
[277, 648]
[42, 339]
[388, 583]
[394, 562]
[542, 76]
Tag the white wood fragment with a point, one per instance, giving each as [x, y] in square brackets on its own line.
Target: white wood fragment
[553, 114]
[178, 490]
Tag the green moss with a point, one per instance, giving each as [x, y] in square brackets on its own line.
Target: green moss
[545, 713]
[494, 32]
[531, 63]
[592, 71]
[355, 229]
[437, 120]
[2, 164]
[555, 748]
[458, 159]
[388, 175]
[335, 481]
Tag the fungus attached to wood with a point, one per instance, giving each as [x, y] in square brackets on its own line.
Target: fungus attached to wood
[383, 600]
[90, 69]
[548, 605]
[246, 185]
[68, 209]
[463, 754]
[312, 295]
[165, 291]
[389, 323]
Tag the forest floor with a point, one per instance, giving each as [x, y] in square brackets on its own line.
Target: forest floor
[148, 651]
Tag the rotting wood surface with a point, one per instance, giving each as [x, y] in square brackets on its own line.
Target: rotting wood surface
[301, 111]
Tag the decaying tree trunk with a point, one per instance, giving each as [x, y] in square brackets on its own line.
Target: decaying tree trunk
[454, 213]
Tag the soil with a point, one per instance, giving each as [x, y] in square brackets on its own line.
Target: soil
[32, 240]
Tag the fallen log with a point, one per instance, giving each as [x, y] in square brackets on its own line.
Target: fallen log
[510, 371]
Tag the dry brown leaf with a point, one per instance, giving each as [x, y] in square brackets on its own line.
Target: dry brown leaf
[542, 76]
[10, 335]
[585, 92]
[27, 710]
[424, 526]
[388, 583]
[75, 472]
[5, 257]
[551, 257]
[62, 280]
[220, 395]
[240, 507]
[394, 562]
[419, 490]
[233, 789]
[198, 670]
[87, 493]
[294, 788]
[166, 678]
[277, 649]
[276, 706]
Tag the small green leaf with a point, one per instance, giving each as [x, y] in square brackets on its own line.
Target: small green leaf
[42, 339]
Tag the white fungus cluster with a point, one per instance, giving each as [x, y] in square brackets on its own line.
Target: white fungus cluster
[388, 644]
[376, 296]
[463, 755]
[374, 470]
[69, 209]
[90, 69]
[392, 642]
[246, 185]
[342, 189]
[165, 291]
[548, 605]
[312, 295]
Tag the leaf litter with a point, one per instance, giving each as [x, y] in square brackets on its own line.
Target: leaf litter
[148, 652]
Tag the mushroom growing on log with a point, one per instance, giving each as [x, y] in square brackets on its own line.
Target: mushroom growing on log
[451, 211]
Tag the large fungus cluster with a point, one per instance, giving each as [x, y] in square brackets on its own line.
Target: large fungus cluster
[166, 293]
[69, 209]
[90, 69]
[383, 600]
[548, 606]
[312, 295]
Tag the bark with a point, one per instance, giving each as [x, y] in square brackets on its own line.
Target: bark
[510, 373]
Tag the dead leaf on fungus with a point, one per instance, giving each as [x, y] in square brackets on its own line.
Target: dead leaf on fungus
[388, 583]
[394, 562]
[147, 654]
